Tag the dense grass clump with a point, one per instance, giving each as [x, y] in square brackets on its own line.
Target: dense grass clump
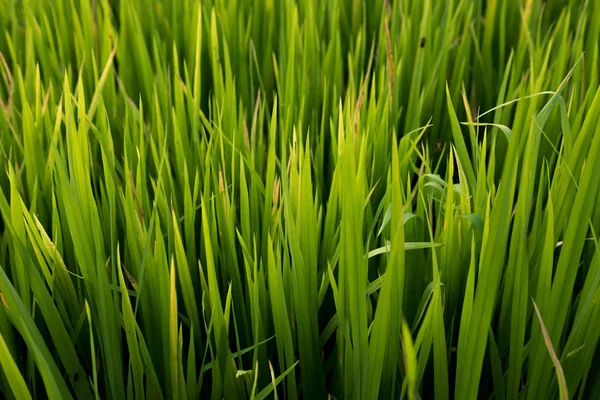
[351, 199]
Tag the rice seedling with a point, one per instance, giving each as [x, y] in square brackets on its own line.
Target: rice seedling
[299, 199]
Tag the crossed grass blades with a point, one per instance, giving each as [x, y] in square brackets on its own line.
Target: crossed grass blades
[299, 199]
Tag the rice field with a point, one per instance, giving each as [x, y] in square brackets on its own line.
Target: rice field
[299, 199]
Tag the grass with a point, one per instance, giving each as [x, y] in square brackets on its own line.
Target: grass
[299, 199]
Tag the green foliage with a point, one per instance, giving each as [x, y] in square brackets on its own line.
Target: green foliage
[299, 199]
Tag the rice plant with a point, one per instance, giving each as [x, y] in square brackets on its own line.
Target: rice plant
[299, 199]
